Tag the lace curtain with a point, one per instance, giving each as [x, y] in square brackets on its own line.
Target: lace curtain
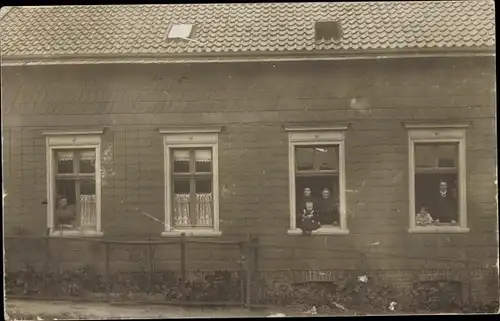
[203, 211]
[65, 156]
[88, 213]
[87, 155]
[69, 156]
[204, 156]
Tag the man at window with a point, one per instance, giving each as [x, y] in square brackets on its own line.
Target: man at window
[445, 205]
[65, 213]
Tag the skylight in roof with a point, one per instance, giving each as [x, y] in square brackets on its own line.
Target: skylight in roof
[328, 30]
[182, 31]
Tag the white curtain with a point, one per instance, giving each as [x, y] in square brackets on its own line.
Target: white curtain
[181, 156]
[65, 156]
[203, 215]
[88, 213]
[203, 155]
[204, 209]
[87, 155]
[181, 209]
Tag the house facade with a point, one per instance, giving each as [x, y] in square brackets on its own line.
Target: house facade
[219, 136]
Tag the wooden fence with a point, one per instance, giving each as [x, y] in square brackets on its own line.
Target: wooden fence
[247, 264]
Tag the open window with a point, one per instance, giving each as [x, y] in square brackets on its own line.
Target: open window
[437, 178]
[191, 181]
[317, 176]
[74, 183]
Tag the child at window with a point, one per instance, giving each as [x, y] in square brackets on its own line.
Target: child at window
[424, 217]
[309, 219]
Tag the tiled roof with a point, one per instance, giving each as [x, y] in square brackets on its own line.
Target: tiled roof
[243, 28]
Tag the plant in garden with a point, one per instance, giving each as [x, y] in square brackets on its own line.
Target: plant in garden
[350, 293]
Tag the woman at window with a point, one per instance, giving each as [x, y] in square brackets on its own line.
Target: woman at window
[65, 213]
[329, 214]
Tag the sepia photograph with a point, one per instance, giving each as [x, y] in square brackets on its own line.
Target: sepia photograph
[258, 159]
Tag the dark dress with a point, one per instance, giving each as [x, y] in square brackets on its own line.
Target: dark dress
[445, 208]
[329, 213]
[66, 216]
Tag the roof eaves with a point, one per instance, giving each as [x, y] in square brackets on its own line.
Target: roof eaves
[250, 56]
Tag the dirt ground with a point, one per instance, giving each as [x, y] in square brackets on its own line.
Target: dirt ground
[63, 310]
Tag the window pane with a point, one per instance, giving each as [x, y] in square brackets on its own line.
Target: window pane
[328, 157]
[305, 157]
[317, 158]
[204, 203]
[87, 161]
[436, 155]
[65, 213]
[88, 212]
[323, 192]
[436, 195]
[181, 202]
[87, 187]
[182, 158]
[203, 186]
[64, 161]
[203, 159]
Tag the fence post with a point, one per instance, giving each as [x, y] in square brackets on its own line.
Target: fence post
[242, 272]
[151, 267]
[46, 264]
[248, 264]
[255, 256]
[183, 265]
[106, 271]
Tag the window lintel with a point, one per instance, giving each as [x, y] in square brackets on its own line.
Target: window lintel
[75, 132]
[339, 127]
[436, 125]
[192, 130]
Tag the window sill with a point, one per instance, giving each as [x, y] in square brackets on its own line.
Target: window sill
[178, 233]
[321, 231]
[439, 229]
[76, 233]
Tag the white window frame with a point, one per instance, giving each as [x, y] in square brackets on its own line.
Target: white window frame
[75, 139]
[193, 137]
[314, 136]
[438, 133]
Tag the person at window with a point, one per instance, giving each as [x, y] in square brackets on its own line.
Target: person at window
[65, 213]
[329, 213]
[306, 197]
[309, 219]
[424, 218]
[445, 210]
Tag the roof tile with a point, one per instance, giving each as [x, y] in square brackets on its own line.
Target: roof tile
[251, 27]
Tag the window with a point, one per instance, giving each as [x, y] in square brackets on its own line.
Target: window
[437, 178]
[191, 181]
[74, 183]
[328, 30]
[317, 175]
